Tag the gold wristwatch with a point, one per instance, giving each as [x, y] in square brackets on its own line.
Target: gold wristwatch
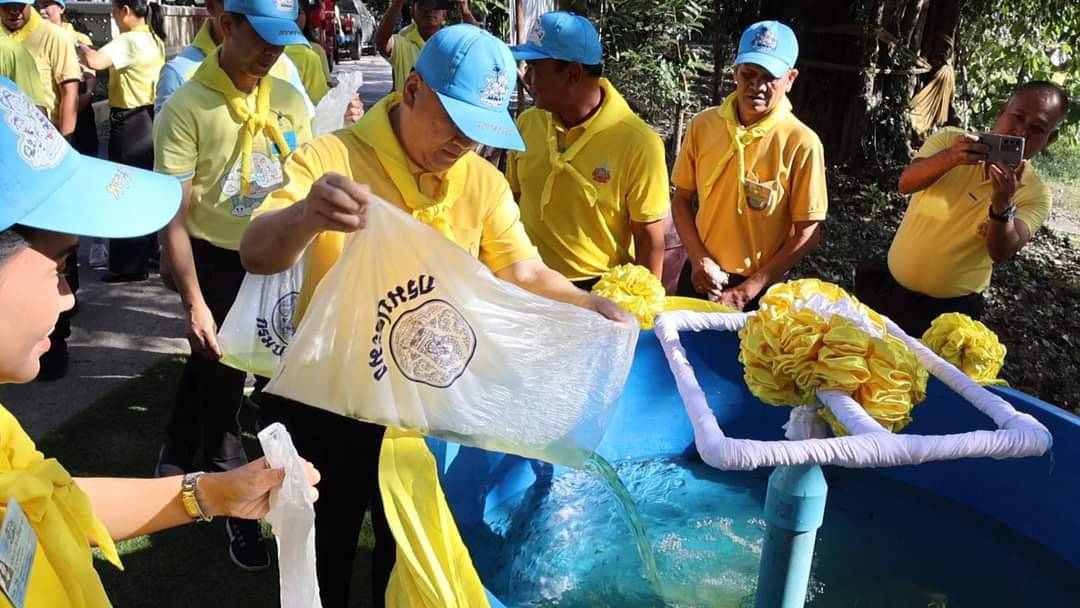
[191, 502]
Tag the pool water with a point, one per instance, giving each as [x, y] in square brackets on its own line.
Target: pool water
[883, 545]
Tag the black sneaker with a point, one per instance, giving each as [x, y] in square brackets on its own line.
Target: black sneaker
[246, 547]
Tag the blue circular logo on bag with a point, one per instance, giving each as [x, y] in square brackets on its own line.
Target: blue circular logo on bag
[281, 319]
[432, 344]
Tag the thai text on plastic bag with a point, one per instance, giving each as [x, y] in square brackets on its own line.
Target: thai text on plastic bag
[292, 517]
[330, 113]
[259, 325]
[409, 330]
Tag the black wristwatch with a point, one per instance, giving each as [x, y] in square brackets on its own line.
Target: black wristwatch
[1004, 218]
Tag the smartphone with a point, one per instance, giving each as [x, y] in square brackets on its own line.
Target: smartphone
[1005, 149]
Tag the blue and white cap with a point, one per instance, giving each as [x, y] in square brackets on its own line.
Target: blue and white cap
[273, 20]
[564, 36]
[473, 74]
[50, 186]
[770, 44]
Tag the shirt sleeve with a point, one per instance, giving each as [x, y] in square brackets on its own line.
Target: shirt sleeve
[66, 62]
[168, 81]
[809, 194]
[121, 51]
[1033, 204]
[176, 147]
[940, 140]
[684, 173]
[503, 241]
[649, 196]
[511, 171]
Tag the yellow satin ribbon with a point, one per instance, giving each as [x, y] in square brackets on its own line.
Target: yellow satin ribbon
[612, 110]
[59, 512]
[741, 138]
[969, 345]
[203, 40]
[27, 30]
[261, 120]
[429, 196]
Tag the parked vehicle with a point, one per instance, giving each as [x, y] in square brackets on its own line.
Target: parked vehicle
[355, 28]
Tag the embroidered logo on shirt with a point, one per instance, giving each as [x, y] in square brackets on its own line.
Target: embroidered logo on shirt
[119, 184]
[765, 40]
[602, 174]
[497, 91]
[983, 228]
[40, 144]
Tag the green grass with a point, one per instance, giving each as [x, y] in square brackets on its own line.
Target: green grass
[1060, 162]
[119, 435]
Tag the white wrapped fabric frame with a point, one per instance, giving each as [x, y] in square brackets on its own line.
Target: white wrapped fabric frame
[869, 445]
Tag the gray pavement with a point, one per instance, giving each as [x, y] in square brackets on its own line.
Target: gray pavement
[122, 329]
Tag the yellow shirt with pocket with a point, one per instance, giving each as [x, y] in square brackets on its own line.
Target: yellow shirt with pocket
[17, 64]
[784, 182]
[137, 57]
[197, 138]
[311, 70]
[55, 56]
[615, 173]
[404, 53]
[482, 216]
[940, 248]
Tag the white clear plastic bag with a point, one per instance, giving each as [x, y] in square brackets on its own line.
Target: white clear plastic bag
[330, 113]
[259, 325]
[292, 517]
[409, 330]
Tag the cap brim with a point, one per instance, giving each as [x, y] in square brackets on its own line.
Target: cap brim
[108, 200]
[528, 52]
[279, 32]
[493, 128]
[776, 67]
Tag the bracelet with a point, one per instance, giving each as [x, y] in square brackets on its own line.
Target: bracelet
[1005, 217]
[188, 489]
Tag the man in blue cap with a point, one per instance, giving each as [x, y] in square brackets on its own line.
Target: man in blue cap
[592, 182]
[414, 149]
[758, 173]
[224, 135]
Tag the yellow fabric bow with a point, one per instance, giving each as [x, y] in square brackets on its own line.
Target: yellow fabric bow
[612, 110]
[59, 512]
[261, 120]
[430, 196]
[741, 138]
[27, 30]
[967, 344]
[204, 41]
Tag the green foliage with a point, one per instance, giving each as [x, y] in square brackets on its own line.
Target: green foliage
[1060, 163]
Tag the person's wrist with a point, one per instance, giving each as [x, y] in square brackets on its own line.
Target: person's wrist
[208, 492]
[1001, 203]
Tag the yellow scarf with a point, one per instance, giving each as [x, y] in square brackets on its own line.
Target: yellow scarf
[741, 138]
[59, 512]
[261, 120]
[27, 30]
[204, 41]
[612, 110]
[428, 195]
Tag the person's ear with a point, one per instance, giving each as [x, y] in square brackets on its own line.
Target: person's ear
[791, 76]
[226, 23]
[411, 90]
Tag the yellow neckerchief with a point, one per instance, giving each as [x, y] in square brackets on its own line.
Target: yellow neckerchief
[613, 109]
[261, 120]
[27, 30]
[741, 138]
[411, 181]
[412, 34]
[203, 40]
[59, 512]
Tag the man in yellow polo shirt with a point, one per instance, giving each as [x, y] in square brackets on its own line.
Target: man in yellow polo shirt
[415, 150]
[17, 65]
[592, 182]
[965, 215]
[224, 134]
[758, 173]
[55, 56]
[402, 49]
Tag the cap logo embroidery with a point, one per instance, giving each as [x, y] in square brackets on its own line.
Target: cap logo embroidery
[497, 91]
[119, 184]
[285, 5]
[40, 144]
[601, 174]
[765, 40]
[536, 34]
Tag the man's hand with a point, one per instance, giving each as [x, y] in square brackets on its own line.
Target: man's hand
[336, 203]
[202, 332]
[355, 111]
[1004, 180]
[739, 297]
[245, 491]
[607, 308]
[708, 278]
[967, 150]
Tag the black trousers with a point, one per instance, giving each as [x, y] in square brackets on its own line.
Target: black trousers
[131, 143]
[346, 452]
[210, 394]
[912, 311]
[686, 287]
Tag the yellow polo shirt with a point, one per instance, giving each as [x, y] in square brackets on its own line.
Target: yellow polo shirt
[403, 55]
[787, 161]
[56, 59]
[940, 248]
[137, 58]
[323, 59]
[77, 37]
[584, 229]
[483, 217]
[311, 70]
[17, 64]
[197, 137]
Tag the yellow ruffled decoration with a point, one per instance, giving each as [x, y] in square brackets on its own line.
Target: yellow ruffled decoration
[789, 352]
[634, 288]
[967, 344]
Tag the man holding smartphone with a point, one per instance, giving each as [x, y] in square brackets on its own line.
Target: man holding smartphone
[967, 212]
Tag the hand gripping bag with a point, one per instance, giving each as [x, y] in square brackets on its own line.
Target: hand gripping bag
[409, 330]
[259, 325]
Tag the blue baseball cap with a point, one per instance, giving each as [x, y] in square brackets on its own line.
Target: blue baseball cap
[473, 74]
[50, 186]
[273, 20]
[564, 36]
[770, 44]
